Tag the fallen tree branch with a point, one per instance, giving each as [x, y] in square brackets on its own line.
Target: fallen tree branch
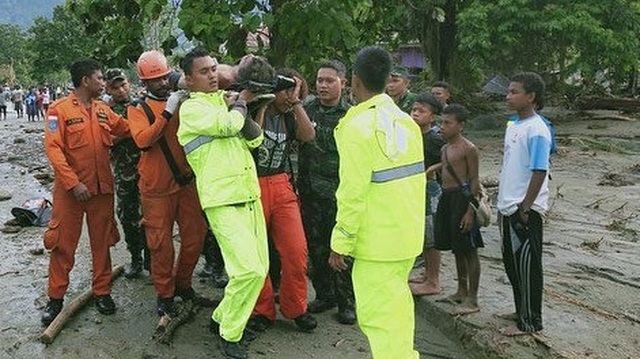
[72, 308]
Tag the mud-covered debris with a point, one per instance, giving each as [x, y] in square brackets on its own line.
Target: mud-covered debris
[36, 251]
[614, 180]
[44, 178]
[593, 245]
[4, 195]
[10, 229]
[33, 130]
[12, 222]
[635, 169]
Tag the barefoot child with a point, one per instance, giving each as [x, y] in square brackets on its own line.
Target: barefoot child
[455, 225]
[522, 198]
[424, 112]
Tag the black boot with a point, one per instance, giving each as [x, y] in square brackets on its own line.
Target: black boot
[165, 306]
[320, 305]
[346, 315]
[306, 322]
[187, 294]
[105, 305]
[134, 270]
[51, 311]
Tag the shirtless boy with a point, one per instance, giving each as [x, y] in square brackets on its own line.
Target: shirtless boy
[455, 225]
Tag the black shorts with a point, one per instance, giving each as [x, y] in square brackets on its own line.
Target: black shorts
[451, 208]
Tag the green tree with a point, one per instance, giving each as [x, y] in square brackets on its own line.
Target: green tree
[56, 43]
[563, 37]
[14, 53]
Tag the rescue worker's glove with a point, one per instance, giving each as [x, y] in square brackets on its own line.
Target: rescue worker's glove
[173, 102]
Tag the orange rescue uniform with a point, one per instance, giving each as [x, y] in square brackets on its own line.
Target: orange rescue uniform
[164, 201]
[77, 142]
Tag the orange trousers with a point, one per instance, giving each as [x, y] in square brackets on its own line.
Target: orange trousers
[63, 235]
[284, 226]
[158, 217]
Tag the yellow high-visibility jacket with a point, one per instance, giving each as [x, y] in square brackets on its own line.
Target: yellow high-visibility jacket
[216, 151]
[381, 209]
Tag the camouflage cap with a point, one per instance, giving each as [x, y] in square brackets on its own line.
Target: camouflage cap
[399, 71]
[112, 75]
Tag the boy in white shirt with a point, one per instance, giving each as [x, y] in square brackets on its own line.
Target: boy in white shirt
[523, 198]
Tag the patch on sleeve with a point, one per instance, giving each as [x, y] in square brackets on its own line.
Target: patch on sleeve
[53, 123]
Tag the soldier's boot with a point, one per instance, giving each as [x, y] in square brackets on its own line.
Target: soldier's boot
[134, 270]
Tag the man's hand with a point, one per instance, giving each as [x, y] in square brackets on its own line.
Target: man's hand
[81, 192]
[246, 96]
[337, 262]
[293, 95]
[524, 214]
[467, 220]
[230, 97]
[174, 101]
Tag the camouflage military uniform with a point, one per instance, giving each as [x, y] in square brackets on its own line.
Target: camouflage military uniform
[405, 102]
[124, 159]
[317, 184]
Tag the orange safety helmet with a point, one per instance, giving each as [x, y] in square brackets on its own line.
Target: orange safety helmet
[151, 65]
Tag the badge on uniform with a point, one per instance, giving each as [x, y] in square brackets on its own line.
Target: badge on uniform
[53, 123]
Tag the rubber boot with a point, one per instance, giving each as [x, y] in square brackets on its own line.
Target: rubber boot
[134, 270]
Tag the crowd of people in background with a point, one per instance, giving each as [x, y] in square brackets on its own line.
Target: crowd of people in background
[210, 148]
[33, 101]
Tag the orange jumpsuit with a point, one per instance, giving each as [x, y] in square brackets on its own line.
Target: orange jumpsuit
[77, 142]
[164, 201]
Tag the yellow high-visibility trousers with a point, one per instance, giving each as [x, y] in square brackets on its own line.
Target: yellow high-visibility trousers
[242, 235]
[385, 307]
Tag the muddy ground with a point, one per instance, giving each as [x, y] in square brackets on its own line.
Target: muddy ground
[127, 334]
[591, 259]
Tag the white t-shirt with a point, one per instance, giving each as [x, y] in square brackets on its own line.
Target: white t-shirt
[527, 145]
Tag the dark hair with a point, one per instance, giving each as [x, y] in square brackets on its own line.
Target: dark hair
[458, 111]
[372, 66]
[257, 69]
[304, 87]
[187, 62]
[532, 82]
[337, 65]
[83, 68]
[442, 84]
[429, 100]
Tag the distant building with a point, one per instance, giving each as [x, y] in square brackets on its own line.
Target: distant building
[411, 57]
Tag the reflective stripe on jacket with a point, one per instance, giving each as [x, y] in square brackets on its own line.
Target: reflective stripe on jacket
[381, 210]
[218, 154]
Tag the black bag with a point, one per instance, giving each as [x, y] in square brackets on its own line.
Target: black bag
[34, 212]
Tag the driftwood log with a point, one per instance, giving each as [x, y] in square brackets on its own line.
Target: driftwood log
[608, 103]
[72, 308]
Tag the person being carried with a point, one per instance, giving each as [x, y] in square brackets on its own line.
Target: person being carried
[425, 111]
[523, 196]
[217, 138]
[456, 228]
